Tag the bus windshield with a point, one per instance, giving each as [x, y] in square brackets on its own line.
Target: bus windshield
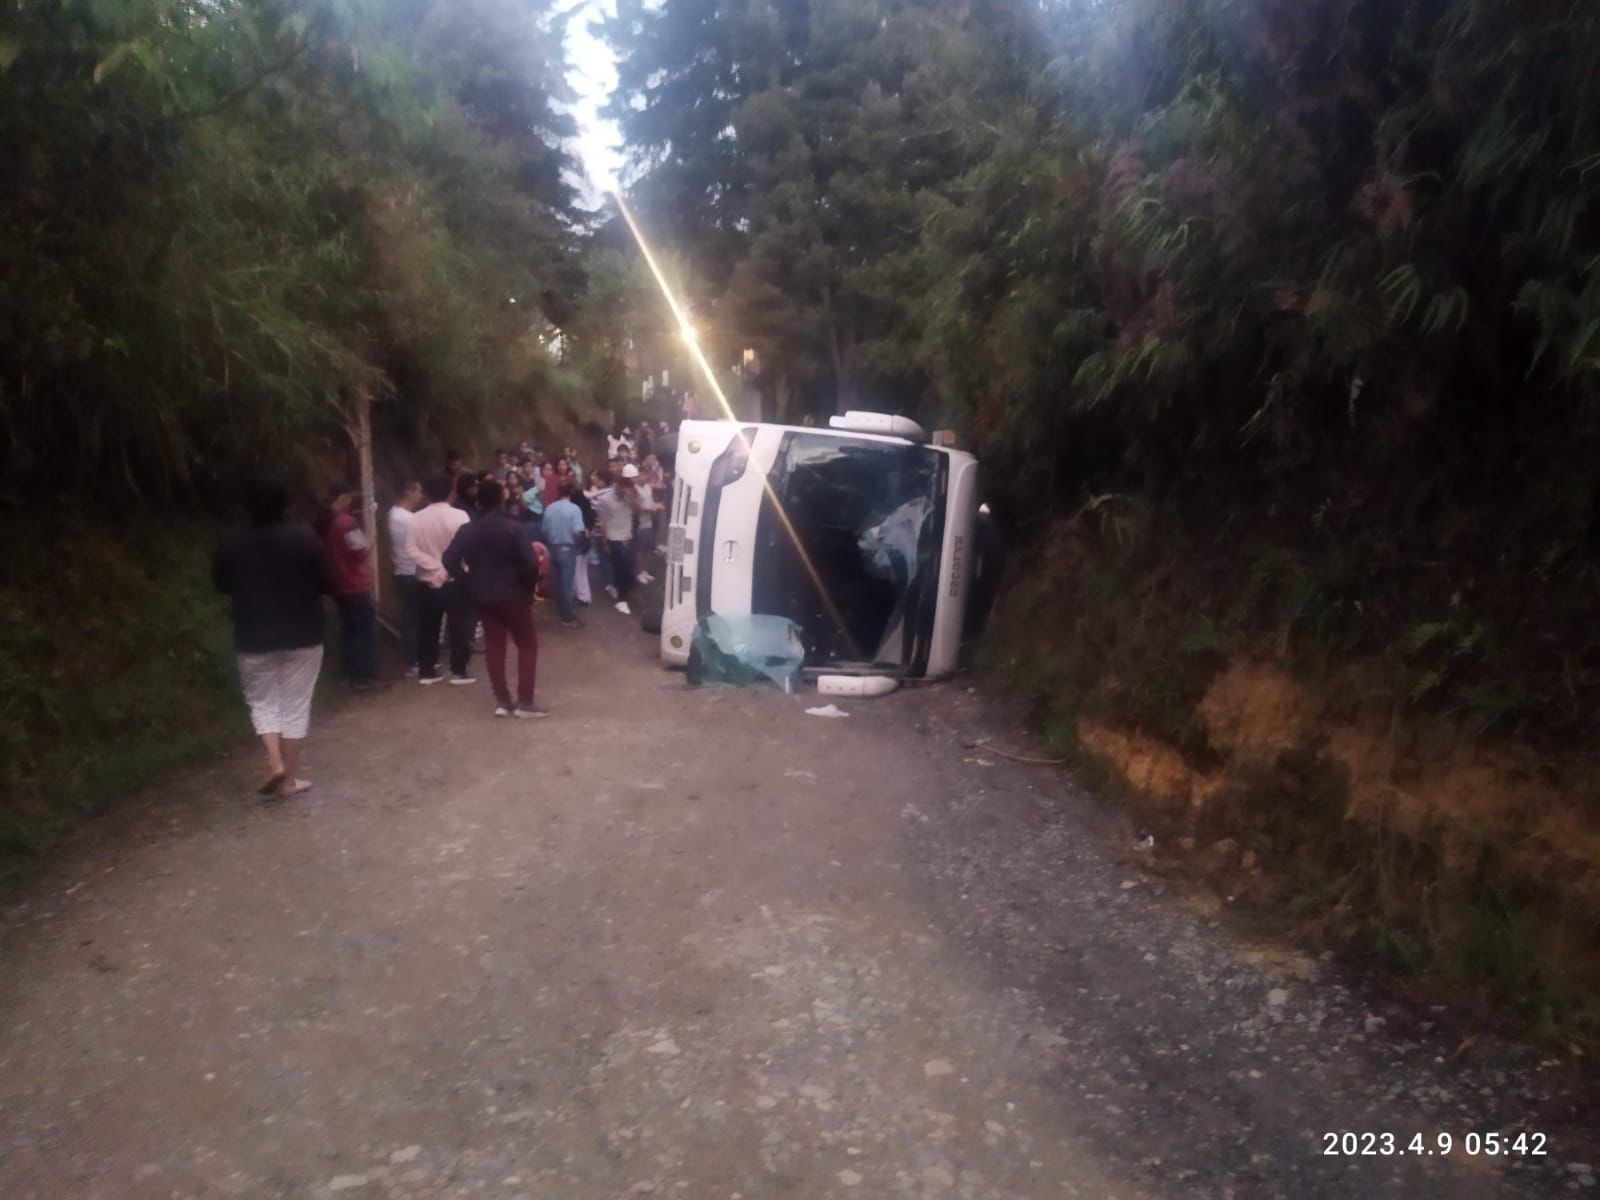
[869, 516]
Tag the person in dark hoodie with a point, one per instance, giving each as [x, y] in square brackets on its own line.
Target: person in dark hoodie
[276, 574]
[493, 557]
[350, 554]
[466, 497]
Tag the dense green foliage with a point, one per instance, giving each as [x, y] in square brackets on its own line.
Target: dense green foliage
[786, 149]
[120, 668]
[1329, 204]
[222, 221]
[1319, 280]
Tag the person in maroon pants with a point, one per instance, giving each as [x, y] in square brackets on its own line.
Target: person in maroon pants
[494, 559]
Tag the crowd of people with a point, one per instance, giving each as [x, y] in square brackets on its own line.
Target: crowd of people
[472, 554]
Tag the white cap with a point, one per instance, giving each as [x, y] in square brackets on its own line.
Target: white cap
[629, 471]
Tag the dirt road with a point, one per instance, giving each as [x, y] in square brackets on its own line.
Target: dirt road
[688, 944]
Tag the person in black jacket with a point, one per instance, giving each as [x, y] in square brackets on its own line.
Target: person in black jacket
[494, 558]
[466, 497]
[276, 575]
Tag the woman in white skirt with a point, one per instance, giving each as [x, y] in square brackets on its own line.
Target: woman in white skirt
[276, 575]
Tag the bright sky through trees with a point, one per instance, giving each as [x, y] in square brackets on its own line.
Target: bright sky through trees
[593, 74]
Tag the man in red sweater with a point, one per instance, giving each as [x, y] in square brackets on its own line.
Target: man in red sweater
[493, 559]
[350, 559]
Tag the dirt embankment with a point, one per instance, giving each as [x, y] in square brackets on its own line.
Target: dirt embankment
[1428, 786]
[1478, 843]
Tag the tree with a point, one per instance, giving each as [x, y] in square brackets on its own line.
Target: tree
[225, 218]
[680, 79]
[820, 124]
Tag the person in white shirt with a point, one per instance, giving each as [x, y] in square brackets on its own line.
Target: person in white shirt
[616, 507]
[441, 601]
[405, 567]
[646, 478]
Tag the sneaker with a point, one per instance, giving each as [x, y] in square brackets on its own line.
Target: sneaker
[411, 672]
[611, 590]
[429, 680]
[622, 607]
[645, 577]
[500, 710]
[462, 680]
[527, 712]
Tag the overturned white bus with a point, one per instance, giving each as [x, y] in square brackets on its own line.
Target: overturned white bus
[862, 534]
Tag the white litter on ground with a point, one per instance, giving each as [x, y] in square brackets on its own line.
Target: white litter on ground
[827, 710]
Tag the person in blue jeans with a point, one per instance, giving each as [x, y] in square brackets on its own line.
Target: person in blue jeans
[564, 534]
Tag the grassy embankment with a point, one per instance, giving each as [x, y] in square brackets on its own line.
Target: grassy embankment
[114, 667]
[1406, 769]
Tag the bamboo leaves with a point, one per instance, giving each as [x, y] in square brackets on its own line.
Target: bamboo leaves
[1404, 290]
[214, 226]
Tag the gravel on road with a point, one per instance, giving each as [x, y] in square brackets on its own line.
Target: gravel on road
[694, 944]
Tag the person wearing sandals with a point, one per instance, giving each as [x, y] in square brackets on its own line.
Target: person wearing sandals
[276, 573]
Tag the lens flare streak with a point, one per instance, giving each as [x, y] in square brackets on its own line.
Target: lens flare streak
[686, 330]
